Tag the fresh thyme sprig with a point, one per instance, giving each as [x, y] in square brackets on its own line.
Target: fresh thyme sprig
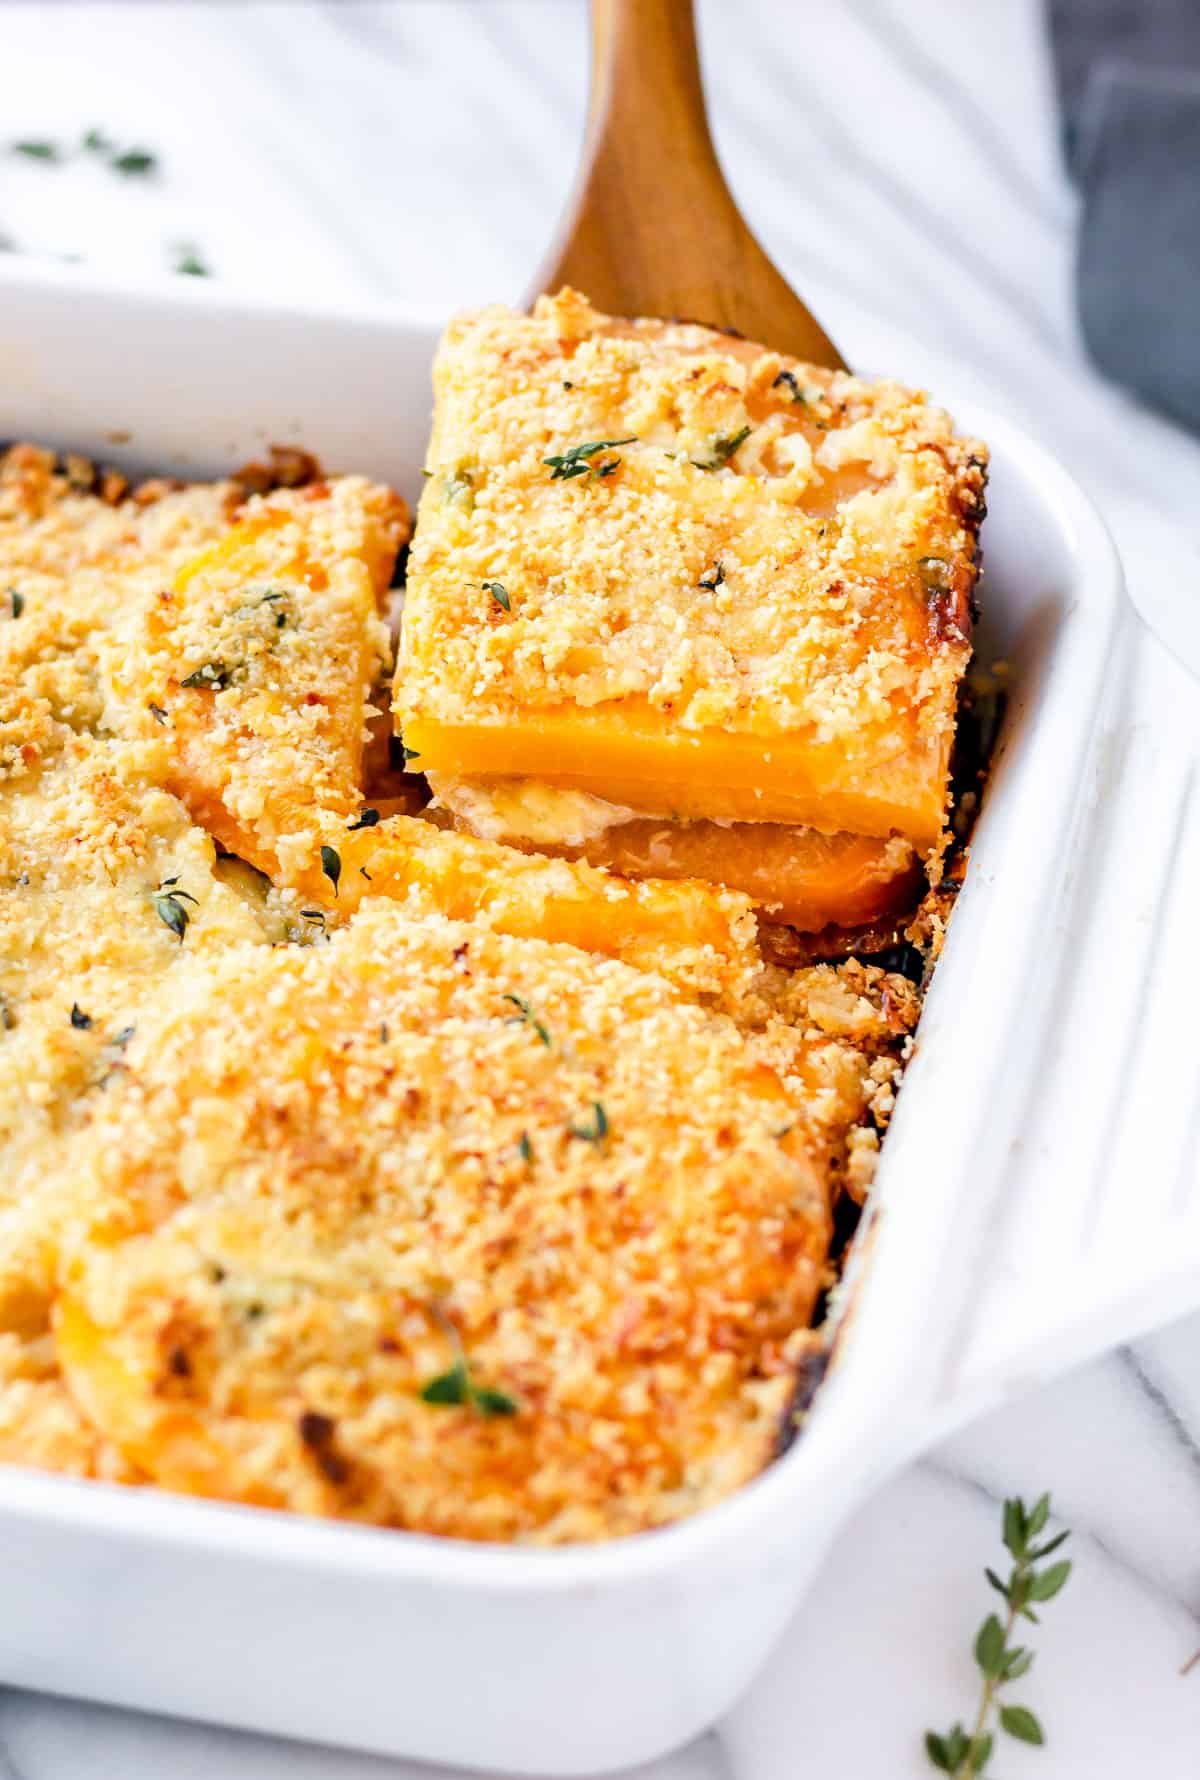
[579, 460]
[962, 1753]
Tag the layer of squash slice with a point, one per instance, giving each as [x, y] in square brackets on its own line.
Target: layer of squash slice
[798, 876]
[696, 934]
[637, 757]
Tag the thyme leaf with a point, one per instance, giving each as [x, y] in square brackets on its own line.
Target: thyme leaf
[525, 1149]
[134, 161]
[526, 1013]
[453, 1386]
[712, 578]
[16, 601]
[723, 447]
[331, 865]
[365, 818]
[188, 261]
[169, 907]
[579, 460]
[492, 1402]
[457, 1387]
[157, 712]
[595, 1131]
[214, 675]
[789, 381]
[38, 150]
[82, 1022]
[499, 593]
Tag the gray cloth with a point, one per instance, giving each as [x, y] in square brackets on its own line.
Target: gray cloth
[1128, 75]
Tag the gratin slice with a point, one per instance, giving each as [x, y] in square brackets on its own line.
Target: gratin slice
[683, 573]
[259, 658]
[443, 1229]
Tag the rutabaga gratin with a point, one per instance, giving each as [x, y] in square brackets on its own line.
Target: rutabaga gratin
[457, 1130]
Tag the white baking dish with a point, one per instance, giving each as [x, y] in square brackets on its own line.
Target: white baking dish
[576, 1660]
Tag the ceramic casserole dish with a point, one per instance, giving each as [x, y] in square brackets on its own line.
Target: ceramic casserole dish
[588, 1658]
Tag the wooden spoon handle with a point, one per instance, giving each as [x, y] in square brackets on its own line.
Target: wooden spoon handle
[652, 228]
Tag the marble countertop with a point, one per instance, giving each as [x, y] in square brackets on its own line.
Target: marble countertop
[897, 160]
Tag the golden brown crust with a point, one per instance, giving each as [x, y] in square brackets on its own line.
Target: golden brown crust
[266, 1193]
[425, 1141]
[774, 551]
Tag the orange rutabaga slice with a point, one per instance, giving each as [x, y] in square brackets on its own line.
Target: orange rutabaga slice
[793, 874]
[698, 935]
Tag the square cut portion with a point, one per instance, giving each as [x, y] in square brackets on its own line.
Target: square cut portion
[465, 1234]
[674, 569]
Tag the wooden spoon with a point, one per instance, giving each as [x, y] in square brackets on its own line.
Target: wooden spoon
[651, 227]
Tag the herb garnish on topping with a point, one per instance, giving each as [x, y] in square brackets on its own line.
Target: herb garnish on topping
[597, 1130]
[499, 593]
[456, 1386]
[168, 906]
[579, 460]
[212, 674]
[789, 381]
[712, 578]
[331, 865]
[723, 447]
[366, 818]
[526, 1013]
[82, 1022]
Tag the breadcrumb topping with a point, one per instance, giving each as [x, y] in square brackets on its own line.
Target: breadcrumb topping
[351, 1164]
[424, 1143]
[743, 546]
